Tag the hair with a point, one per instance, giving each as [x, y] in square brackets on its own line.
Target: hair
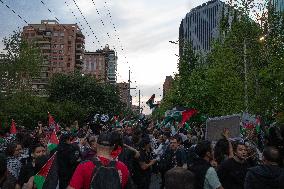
[179, 178]
[10, 150]
[236, 144]
[221, 149]
[202, 148]
[117, 138]
[271, 154]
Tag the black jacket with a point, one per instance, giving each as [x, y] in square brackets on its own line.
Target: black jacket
[232, 174]
[67, 159]
[171, 159]
[199, 168]
[265, 177]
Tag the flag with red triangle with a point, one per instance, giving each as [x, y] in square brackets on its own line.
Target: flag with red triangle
[13, 129]
[47, 177]
[186, 115]
[150, 102]
[52, 123]
[53, 141]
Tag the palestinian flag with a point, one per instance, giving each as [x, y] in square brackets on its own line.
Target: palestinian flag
[150, 102]
[13, 129]
[186, 115]
[179, 116]
[51, 123]
[47, 177]
[53, 141]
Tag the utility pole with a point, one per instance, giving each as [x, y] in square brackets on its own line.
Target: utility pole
[246, 77]
[129, 89]
[139, 102]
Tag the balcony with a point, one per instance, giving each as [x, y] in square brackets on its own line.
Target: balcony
[44, 47]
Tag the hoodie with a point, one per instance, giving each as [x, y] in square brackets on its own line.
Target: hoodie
[265, 177]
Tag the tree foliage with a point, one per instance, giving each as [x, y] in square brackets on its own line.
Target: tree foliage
[218, 86]
[21, 62]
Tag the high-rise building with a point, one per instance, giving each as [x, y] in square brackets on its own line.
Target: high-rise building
[167, 85]
[102, 64]
[95, 65]
[124, 93]
[62, 47]
[111, 62]
[201, 26]
[279, 5]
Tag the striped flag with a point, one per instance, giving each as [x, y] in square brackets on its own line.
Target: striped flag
[47, 177]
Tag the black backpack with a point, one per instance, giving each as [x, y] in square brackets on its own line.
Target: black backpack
[105, 176]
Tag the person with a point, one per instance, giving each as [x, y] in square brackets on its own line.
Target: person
[82, 177]
[143, 166]
[92, 150]
[179, 178]
[13, 153]
[28, 167]
[3, 169]
[266, 176]
[68, 157]
[205, 175]
[222, 151]
[173, 156]
[232, 172]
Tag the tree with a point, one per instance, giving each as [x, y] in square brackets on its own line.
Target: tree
[85, 91]
[218, 87]
[21, 62]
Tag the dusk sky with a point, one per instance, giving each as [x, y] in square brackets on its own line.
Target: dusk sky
[144, 27]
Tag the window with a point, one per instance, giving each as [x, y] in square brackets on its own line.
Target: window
[69, 42]
[60, 57]
[43, 74]
[54, 51]
[61, 46]
[55, 34]
[54, 58]
[68, 65]
[60, 51]
[41, 86]
[92, 67]
[62, 34]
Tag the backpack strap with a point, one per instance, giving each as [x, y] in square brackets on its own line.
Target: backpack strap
[112, 163]
[97, 164]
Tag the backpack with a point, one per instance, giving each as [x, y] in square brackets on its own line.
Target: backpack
[105, 176]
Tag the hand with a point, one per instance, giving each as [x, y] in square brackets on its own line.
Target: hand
[226, 133]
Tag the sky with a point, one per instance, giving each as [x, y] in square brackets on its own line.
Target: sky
[143, 31]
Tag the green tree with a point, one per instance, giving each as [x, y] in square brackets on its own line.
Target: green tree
[85, 91]
[21, 62]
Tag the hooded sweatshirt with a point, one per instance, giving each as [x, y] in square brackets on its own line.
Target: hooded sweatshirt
[265, 177]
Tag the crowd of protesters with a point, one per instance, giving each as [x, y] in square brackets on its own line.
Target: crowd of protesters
[130, 155]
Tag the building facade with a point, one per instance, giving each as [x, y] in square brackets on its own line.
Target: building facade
[167, 85]
[111, 62]
[62, 47]
[102, 64]
[201, 26]
[279, 5]
[95, 65]
[124, 93]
